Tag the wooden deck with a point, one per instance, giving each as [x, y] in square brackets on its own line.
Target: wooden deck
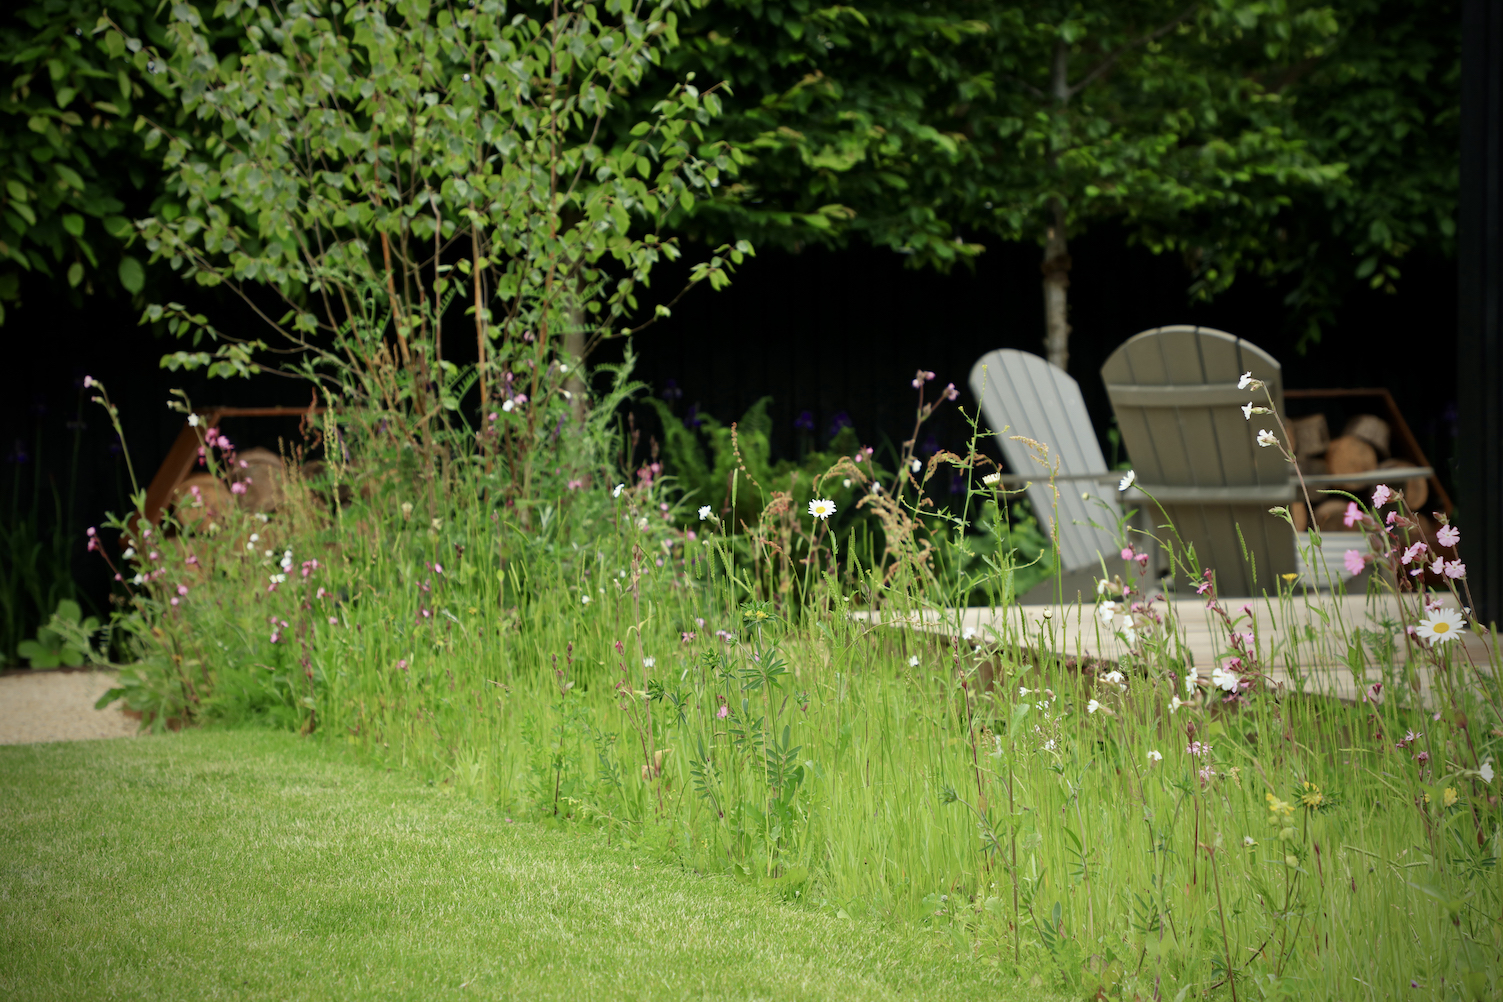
[1301, 638]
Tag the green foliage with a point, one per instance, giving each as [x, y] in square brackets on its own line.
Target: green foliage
[921, 128]
[58, 642]
[70, 160]
[1385, 101]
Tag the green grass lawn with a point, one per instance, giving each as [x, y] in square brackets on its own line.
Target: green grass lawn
[243, 864]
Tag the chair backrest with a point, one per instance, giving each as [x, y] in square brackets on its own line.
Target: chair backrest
[1174, 390]
[1022, 394]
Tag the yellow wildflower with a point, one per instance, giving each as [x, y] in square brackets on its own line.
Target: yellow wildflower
[1277, 806]
[1312, 798]
[1449, 797]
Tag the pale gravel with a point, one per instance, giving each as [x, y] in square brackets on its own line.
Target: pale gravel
[59, 706]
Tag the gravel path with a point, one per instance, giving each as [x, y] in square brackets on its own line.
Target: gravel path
[58, 706]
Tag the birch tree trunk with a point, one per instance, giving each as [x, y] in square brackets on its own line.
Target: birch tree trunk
[1056, 266]
[1056, 269]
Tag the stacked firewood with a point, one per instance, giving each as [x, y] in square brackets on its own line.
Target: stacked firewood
[1363, 446]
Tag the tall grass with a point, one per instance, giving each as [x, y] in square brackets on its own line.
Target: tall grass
[704, 689]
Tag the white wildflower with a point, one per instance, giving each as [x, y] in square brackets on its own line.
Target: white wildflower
[617, 492]
[1267, 438]
[1093, 706]
[1440, 626]
[704, 512]
[1154, 757]
[821, 508]
[1127, 481]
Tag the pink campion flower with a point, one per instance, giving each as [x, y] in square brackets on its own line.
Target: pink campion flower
[174, 600]
[699, 622]
[238, 487]
[182, 589]
[1354, 561]
[575, 485]
[321, 593]
[1439, 567]
[153, 555]
[1196, 749]
[89, 381]
[687, 636]
[91, 531]
[1206, 775]
[1448, 536]
[333, 620]
[950, 392]
[1381, 496]
[438, 568]
[1391, 517]
[1373, 693]
[1203, 587]
[192, 560]
[723, 712]
[402, 665]
[1353, 515]
[119, 577]
[921, 378]
[1142, 559]
[1422, 757]
[1414, 551]
[1455, 569]
[276, 635]
[1127, 553]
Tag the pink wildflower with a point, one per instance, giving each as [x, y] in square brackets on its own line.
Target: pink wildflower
[1196, 749]
[1448, 536]
[1127, 553]
[723, 712]
[402, 664]
[333, 620]
[1354, 561]
[182, 589]
[921, 378]
[950, 392]
[1381, 496]
[1439, 567]
[1455, 569]
[1353, 515]
[1413, 552]
[238, 487]
[192, 560]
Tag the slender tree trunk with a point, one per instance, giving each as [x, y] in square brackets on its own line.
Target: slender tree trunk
[1056, 266]
[1056, 269]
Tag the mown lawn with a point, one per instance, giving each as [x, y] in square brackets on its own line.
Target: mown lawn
[247, 864]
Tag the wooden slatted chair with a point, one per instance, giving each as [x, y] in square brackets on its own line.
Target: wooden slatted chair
[1023, 395]
[1174, 390]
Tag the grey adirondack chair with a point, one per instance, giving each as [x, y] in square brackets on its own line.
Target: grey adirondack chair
[1023, 395]
[1174, 390]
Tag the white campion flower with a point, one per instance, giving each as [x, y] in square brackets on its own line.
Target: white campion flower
[1486, 772]
[1107, 611]
[1189, 684]
[1093, 706]
[913, 661]
[1267, 438]
[1127, 481]
[1129, 636]
[821, 508]
[192, 420]
[967, 633]
[617, 492]
[1175, 704]
[130, 551]
[1155, 757]
[704, 512]
[649, 662]
[915, 466]
[1223, 679]
[1440, 626]
[1247, 382]
[584, 600]
[1114, 677]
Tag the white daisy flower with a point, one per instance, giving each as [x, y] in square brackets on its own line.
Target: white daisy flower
[1267, 438]
[1440, 626]
[991, 478]
[1127, 481]
[821, 508]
